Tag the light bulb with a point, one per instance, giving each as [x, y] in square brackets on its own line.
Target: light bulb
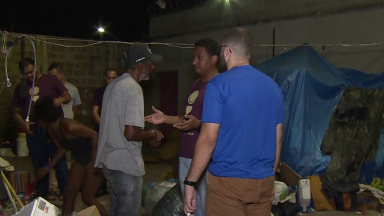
[101, 30]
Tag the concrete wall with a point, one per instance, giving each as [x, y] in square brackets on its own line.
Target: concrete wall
[83, 67]
[216, 14]
[357, 26]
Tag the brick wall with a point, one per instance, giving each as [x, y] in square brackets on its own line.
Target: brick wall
[83, 68]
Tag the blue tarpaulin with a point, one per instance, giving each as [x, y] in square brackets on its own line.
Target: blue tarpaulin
[312, 88]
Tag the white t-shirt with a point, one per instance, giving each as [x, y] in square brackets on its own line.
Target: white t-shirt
[75, 100]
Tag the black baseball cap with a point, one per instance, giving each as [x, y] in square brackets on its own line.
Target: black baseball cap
[139, 52]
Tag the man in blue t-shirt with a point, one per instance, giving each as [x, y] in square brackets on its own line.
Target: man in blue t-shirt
[242, 129]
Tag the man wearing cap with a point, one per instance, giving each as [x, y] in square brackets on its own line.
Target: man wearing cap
[121, 132]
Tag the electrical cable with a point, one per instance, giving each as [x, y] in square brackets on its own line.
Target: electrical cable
[45, 39]
[22, 37]
[191, 46]
[34, 78]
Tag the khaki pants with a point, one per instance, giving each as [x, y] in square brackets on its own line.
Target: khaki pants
[239, 197]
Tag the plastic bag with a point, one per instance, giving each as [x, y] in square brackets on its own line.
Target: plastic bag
[144, 192]
[171, 204]
[281, 191]
[155, 193]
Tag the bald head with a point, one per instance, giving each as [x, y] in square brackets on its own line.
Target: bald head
[240, 40]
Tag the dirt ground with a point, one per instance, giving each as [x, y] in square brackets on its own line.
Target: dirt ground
[153, 168]
[154, 171]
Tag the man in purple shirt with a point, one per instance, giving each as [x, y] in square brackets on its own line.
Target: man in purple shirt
[206, 55]
[109, 75]
[39, 147]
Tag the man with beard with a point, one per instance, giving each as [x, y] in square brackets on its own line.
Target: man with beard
[242, 118]
[121, 132]
[205, 59]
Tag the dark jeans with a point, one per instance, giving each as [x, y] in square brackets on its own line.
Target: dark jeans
[124, 191]
[41, 150]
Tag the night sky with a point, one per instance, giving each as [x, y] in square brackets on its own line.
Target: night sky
[123, 20]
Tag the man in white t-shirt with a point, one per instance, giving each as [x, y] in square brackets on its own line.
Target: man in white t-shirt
[71, 108]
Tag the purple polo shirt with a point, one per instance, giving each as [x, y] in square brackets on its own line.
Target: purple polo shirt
[193, 106]
[97, 99]
[45, 86]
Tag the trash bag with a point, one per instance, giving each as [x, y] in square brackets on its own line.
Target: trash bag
[144, 192]
[145, 189]
[171, 204]
[155, 193]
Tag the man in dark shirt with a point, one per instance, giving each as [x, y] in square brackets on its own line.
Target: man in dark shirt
[109, 75]
[39, 147]
[206, 56]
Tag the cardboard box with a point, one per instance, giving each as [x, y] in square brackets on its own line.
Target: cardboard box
[371, 201]
[287, 175]
[90, 211]
[39, 207]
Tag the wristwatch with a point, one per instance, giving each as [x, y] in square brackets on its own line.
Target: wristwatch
[186, 182]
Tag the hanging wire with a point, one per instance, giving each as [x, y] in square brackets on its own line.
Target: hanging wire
[191, 46]
[48, 40]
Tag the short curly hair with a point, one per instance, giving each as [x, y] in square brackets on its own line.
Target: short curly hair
[45, 110]
[210, 46]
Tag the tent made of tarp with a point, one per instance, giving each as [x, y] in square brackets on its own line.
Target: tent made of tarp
[312, 88]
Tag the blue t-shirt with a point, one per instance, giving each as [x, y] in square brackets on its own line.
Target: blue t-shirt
[248, 105]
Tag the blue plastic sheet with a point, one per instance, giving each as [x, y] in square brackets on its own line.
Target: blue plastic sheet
[312, 88]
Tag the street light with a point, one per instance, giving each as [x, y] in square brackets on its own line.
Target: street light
[104, 33]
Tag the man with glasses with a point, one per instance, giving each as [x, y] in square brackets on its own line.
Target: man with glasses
[242, 118]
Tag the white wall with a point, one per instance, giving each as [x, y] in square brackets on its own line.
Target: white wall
[364, 26]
